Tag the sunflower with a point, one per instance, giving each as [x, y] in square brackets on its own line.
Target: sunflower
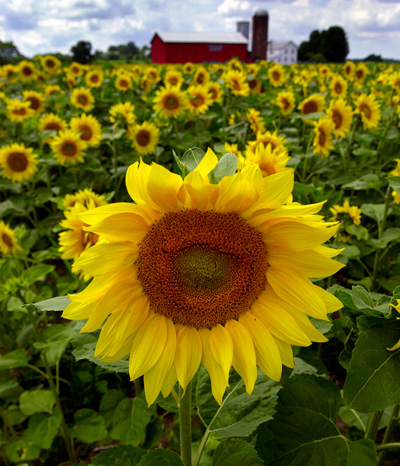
[214, 89]
[237, 83]
[75, 240]
[313, 104]
[8, 241]
[285, 100]
[269, 161]
[396, 171]
[123, 82]
[89, 129]
[68, 147]
[26, 70]
[197, 272]
[198, 99]
[266, 139]
[341, 116]
[145, 138]
[153, 74]
[86, 197]
[18, 111]
[368, 108]
[360, 72]
[94, 78]
[50, 64]
[52, 122]
[18, 162]
[36, 101]
[52, 89]
[75, 69]
[255, 86]
[201, 77]
[122, 113]
[10, 71]
[170, 102]
[255, 120]
[173, 78]
[276, 75]
[323, 137]
[82, 98]
[188, 68]
[233, 149]
[338, 86]
[346, 211]
[349, 69]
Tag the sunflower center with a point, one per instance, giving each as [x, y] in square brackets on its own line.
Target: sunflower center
[202, 268]
[94, 78]
[171, 102]
[86, 132]
[82, 99]
[6, 240]
[197, 101]
[337, 118]
[321, 137]
[17, 161]
[276, 76]
[123, 83]
[35, 102]
[338, 88]
[310, 107]
[173, 80]
[200, 78]
[53, 126]
[50, 63]
[365, 110]
[69, 149]
[19, 111]
[27, 70]
[253, 84]
[285, 103]
[143, 137]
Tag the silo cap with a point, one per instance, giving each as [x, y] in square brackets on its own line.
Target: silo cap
[261, 13]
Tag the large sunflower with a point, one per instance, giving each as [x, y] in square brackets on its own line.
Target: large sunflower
[338, 86]
[145, 138]
[198, 99]
[68, 147]
[276, 75]
[86, 197]
[368, 108]
[18, 111]
[18, 162]
[35, 100]
[236, 81]
[323, 137]
[52, 122]
[82, 98]
[341, 116]
[286, 102]
[94, 78]
[313, 104]
[8, 241]
[170, 102]
[89, 129]
[199, 272]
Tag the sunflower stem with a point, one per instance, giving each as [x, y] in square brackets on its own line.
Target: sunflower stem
[388, 434]
[373, 424]
[185, 426]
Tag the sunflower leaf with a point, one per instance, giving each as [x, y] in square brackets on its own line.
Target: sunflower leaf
[394, 182]
[192, 157]
[226, 166]
[122, 455]
[54, 304]
[161, 458]
[235, 452]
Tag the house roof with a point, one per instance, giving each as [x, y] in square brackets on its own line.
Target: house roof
[201, 37]
[278, 45]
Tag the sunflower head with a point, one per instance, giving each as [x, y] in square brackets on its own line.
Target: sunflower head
[313, 104]
[94, 78]
[8, 241]
[323, 143]
[86, 197]
[82, 98]
[170, 102]
[18, 111]
[35, 100]
[341, 116]
[89, 129]
[286, 102]
[18, 162]
[123, 82]
[368, 107]
[276, 75]
[346, 213]
[199, 272]
[145, 138]
[199, 99]
[68, 147]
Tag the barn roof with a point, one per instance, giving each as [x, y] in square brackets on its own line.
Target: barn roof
[202, 37]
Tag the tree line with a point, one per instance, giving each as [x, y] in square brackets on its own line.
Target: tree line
[329, 46]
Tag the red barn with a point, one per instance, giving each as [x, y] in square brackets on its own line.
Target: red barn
[197, 47]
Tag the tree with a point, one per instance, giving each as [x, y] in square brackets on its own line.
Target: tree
[9, 53]
[373, 57]
[325, 46]
[82, 52]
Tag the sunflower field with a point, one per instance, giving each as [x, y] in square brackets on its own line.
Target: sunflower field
[200, 264]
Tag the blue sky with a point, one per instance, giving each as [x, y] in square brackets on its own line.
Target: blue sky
[47, 26]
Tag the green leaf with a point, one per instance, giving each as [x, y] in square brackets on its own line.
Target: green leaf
[57, 338]
[35, 273]
[356, 298]
[394, 182]
[226, 166]
[235, 452]
[89, 426]
[181, 166]
[161, 458]
[108, 403]
[9, 388]
[373, 380]
[122, 455]
[312, 116]
[54, 304]
[357, 230]
[370, 181]
[375, 211]
[37, 401]
[304, 429]
[22, 451]
[364, 152]
[42, 429]
[240, 413]
[17, 358]
[130, 420]
[192, 157]
[362, 452]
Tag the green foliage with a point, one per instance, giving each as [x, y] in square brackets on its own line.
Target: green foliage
[82, 52]
[325, 46]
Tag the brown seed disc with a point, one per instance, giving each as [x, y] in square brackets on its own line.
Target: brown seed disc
[143, 137]
[201, 269]
[17, 161]
[69, 149]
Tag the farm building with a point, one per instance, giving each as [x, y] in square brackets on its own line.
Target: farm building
[282, 52]
[197, 47]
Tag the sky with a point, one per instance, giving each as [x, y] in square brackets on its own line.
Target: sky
[49, 26]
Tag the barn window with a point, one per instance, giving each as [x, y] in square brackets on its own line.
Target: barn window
[215, 47]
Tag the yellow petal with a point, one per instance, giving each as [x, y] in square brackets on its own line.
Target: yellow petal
[92, 216]
[188, 355]
[395, 347]
[289, 210]
[197, 192]
[285, 351]
[77, 311]
[163, 187]
[332, 303]
[222, 348]
[155, 377]
[96, 288]
[298, 292]
[148, 345]
[207, 163]
[218, 378]
[267, 352]
[279, 322]
[244, 356]
[121, 227]
[169, 382]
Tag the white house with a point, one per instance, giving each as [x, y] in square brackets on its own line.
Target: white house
[282, 52]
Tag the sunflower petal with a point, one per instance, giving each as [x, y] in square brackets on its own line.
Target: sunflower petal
[188, 355]
[221, 347]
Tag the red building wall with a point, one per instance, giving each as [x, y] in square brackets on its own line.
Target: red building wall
[195, 52]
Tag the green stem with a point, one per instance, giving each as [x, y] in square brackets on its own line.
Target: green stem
[389, 446]
[373, 424]
[388, 434]
[185, 426]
